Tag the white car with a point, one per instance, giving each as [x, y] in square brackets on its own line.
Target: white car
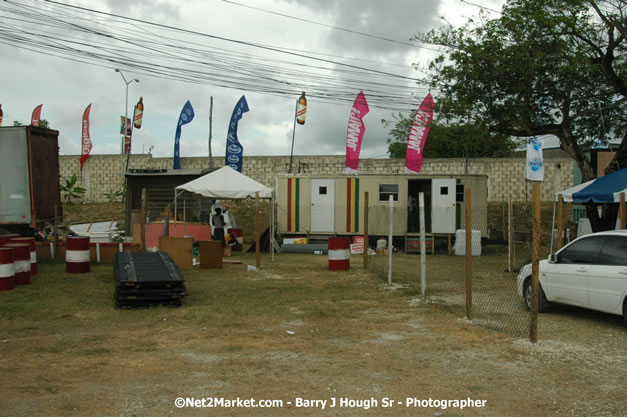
[589, 272]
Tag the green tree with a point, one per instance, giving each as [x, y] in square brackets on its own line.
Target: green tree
[449, 141]
[42, 123]
[542, 67]
[71, 190]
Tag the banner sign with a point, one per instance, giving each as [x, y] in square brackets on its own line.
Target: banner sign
[125, 128]
[535, 161]
[234, 150]
[35, 119]
[138, 114]
[418, 136]
[187, 115]
[301, 109]
[355, 132]
[86, 140]
[127, 144]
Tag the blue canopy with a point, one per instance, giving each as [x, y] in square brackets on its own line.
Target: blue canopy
[604, 189]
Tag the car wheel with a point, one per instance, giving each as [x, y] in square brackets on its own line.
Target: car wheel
[527, 293]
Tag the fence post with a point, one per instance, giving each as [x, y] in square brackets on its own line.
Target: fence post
[533, 331]
[423, 249]
[366, 230]
[622, 212]
[56, 232]
[391, 211]
[257, 240]
[142, 222]
[272, 220]
[467, 200]
[510, 234]
[560, 225]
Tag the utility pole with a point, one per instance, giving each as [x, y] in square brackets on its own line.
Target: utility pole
[125, 107]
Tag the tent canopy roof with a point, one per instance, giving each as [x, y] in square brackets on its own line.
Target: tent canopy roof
[226, 183]
[604, 189]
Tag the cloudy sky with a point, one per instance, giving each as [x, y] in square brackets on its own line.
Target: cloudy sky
[268, 50]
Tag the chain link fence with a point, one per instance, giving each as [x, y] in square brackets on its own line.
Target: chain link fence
[304, 240]
[501, 244]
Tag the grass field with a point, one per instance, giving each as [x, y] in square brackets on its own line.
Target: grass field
[286, 332]
[296, 330]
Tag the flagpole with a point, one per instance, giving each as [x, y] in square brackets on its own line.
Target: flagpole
[210, 128]
[128, 155]
[293, 134]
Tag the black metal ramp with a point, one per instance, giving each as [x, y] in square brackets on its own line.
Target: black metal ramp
[147, 279]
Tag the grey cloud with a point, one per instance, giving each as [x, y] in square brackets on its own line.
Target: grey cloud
[398, 20]
[151, 10]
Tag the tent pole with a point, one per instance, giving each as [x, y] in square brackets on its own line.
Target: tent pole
[175, 211]
[560, 224]
[553, 223]
[257, 240]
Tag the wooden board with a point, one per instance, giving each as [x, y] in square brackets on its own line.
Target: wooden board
[210, 254]
[179, 249]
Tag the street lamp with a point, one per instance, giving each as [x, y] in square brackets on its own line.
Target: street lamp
[126, 104]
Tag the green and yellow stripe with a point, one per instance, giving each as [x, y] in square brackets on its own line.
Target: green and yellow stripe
[293, 204]
[352, 205]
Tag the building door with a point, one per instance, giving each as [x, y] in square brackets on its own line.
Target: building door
[323, 205]
[414, 188]
[443, 206]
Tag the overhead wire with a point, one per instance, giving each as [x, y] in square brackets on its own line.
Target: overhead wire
[190, 61]
[356, 32]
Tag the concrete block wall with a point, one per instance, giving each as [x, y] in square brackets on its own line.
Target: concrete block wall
[506, 176]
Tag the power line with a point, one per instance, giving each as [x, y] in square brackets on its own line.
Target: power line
[116, 42]
[480, 6]
[274, 49]
[328, 26]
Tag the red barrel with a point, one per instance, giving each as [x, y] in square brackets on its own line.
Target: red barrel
[7, 269]
[77, 256]
[339, 254]
[33, 253]
[21, 252]
[6, 238]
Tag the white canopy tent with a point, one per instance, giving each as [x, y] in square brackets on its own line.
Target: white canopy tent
[224, 183]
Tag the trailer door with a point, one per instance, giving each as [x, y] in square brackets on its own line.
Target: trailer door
[15, 184]
[323, 205]
[443, 206]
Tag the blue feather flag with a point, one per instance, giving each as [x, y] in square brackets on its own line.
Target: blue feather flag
[187, 115]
